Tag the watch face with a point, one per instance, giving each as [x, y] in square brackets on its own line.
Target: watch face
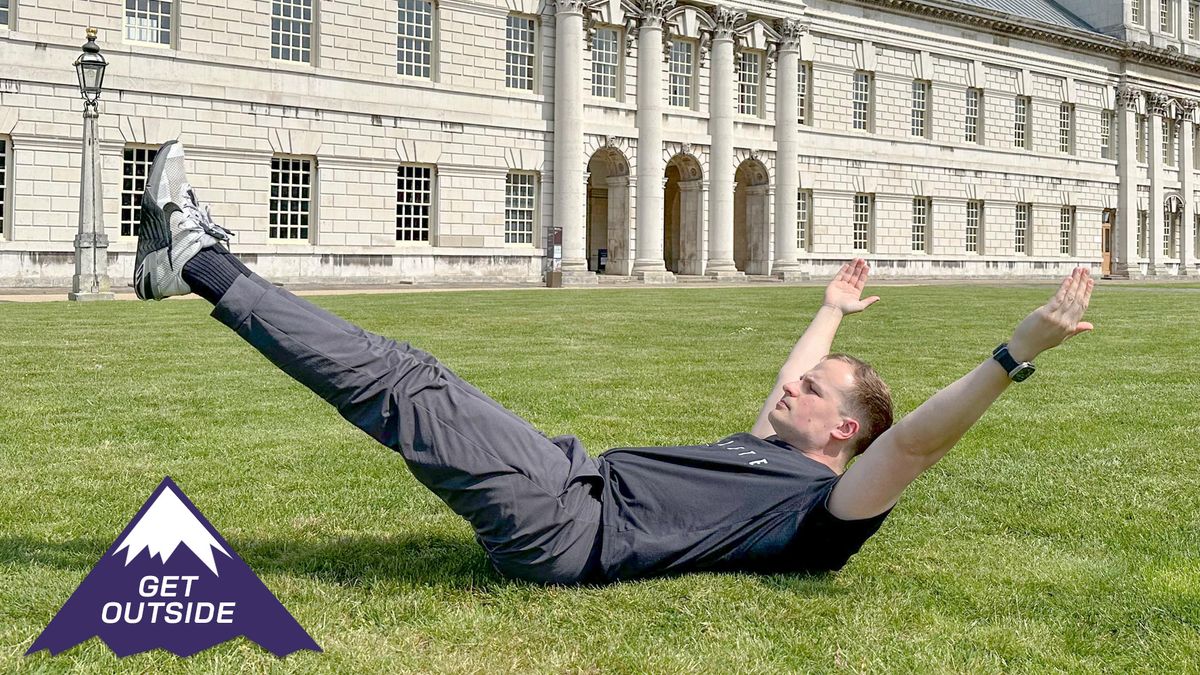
[1022, 373]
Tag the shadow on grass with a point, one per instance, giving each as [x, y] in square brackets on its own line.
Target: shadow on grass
[428, 560]
[424, 560]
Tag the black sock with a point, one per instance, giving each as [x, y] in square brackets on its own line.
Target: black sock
[212, 271]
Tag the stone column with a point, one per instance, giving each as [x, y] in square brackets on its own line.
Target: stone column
[787, 140]
[91, 280]
[570, 190]
[1158, 110]
[1187, 185]
[1125, 253]
[648, 260]
[720, 128]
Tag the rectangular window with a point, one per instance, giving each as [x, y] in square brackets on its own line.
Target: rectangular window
[920, 108]
[1170, 142]
[920, 224]
[1138, 17]
[1170, 232]
[864, 208]
[414, 202]
[1143, 242]
[1193, 24]
[291, 198]
[1021, 228]
[803, 219]
[519, 41]
[1021, 123]
[520, 196]
[1106, 125]
[972, 116]
[1066, 128]
[1066, 230]
[1142, 139]
[4, 12]
[749, 71]
[135, 166]
[145, 21]
[4, 145]
[974, 225]
[804, 77]
[291, 30]
[681, 69]
[864, 86]
[606, 62]
[1166, 16]
[414, 38]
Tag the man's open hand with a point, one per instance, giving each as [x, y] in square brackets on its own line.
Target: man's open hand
[844, 293]
[1054, 322]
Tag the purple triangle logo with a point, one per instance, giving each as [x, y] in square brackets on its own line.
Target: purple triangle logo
[171, 581]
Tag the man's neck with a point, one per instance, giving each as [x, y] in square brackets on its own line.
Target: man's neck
[833, 458]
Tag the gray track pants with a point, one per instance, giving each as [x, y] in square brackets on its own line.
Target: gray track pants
[533, 501]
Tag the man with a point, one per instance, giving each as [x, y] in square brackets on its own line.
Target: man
[777, 499]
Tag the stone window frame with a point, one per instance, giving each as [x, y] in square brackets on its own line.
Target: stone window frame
[862, 232]
[136, 159]
[6, 170]
[1143, 226]
[414, 221]
[922, 212]
[1066, 128]
[1170, 142]
[277, 49]
[1193, 20]
[305, 221]
[678, 78]
[804, 219]
[149, 10]
[973, 226]
[1108, 120]
[1066, 231]
[1168, 16]
[513, 65]
[751, 95]
[515, 219]
[921, 92]
[1022, 110]
[1137, 10]
[1022, 217]
[8, 14]
[973, 131]
[618, 53]
[408, 56]
[804, 85]
[862, 98]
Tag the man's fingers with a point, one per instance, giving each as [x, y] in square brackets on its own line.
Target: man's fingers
[843, 274]
[870, 301]
[1061, 296]
[860, 273]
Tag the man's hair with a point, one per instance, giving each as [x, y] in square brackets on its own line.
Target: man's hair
[870, 399]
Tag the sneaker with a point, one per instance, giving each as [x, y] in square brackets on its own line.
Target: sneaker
[174, 227]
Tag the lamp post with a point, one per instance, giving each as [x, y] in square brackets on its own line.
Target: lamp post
[91, 280]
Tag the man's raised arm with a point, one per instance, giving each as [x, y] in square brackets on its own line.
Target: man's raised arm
[874, 482]
[843, 296]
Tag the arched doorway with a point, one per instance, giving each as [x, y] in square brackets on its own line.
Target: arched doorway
[683, 216]
[751, 226]
[608, 213]
[1173, 225]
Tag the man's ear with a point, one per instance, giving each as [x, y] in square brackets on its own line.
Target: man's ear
[846, 430]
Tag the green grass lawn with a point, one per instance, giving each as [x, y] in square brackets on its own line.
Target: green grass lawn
[1062, 534]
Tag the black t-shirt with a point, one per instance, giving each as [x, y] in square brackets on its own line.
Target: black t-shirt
[742, 503]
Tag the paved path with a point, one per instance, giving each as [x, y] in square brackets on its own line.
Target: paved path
[126, 292]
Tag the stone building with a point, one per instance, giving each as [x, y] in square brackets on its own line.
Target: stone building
[393, 140]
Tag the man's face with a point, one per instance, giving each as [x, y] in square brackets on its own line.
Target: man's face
[811, 411]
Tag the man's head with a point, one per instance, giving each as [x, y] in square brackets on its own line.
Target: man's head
[839, 407]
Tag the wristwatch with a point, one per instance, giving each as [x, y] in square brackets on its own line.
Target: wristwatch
[1017, 371]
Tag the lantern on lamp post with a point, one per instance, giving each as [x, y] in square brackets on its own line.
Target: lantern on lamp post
[91, 281]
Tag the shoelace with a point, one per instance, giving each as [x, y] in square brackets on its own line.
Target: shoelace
[203, 216]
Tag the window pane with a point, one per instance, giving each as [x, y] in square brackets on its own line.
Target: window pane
[291, 20]
[145, 20]
[748, 72]
[519, 53]
[291, 180]
[414, 38]
[605, 63]
[680, 69]
[414, 202]
[135, 166]
[519, 199]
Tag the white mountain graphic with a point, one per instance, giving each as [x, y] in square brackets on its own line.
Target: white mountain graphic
[166, 525]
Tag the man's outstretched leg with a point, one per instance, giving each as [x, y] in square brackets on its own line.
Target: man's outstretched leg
[531, 504]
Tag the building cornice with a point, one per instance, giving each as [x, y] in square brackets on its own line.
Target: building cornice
[958, 13]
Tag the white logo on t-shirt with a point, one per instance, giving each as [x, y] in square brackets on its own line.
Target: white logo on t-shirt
[728, 445]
